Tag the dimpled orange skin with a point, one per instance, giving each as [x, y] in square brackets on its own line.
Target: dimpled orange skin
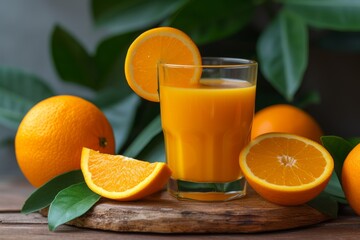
[286, 118]
[52, 134]
[350, 178]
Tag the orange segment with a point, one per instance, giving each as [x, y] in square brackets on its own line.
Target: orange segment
[122, 178]
[286, 169]
[158, 45]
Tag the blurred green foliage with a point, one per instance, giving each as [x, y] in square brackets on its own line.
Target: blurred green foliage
[275, 33]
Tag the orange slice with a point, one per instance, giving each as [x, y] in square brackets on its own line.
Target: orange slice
[286, 169]
[158, 45]
[122, 178]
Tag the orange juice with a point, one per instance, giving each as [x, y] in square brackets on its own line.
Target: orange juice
[206, 127]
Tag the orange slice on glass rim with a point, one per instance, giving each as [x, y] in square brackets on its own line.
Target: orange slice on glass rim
[286, 169]
[121, 178]
[158, 45]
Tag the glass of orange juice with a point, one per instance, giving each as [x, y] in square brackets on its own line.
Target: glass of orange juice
[206, 114]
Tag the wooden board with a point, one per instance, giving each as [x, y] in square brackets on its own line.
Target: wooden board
[14, 225]
[161, 213]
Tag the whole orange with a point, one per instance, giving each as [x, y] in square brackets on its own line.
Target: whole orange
[350, 178]
[51, 136]
[285, 118]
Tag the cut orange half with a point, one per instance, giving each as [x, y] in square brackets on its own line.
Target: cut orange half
[158, 45]
[286, 169]
[122, 178]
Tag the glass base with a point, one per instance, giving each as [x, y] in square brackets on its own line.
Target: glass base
[208, 192]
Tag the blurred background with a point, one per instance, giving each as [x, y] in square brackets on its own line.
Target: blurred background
[319, 42]
[26, 28]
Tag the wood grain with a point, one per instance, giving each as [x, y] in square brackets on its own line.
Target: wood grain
[14, 225]
[160, 213]
[13, 194]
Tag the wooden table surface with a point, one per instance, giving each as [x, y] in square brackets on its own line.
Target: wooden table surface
[14, 225]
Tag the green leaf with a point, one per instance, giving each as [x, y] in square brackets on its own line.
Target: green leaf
[71, 60]
[110, 57]
[19, 91]
[43, 196]
[342, 15]
[339, 148]
[283, 52]
[211, 21]
[353, 141]
[145, 113]
[121, 116]
[71, 203]
[325, 204]
[308, 98]
[335, 190]
[153, 129]
[129, 15]
[154, 150]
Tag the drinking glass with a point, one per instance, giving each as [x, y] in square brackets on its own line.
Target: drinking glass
[206, 114]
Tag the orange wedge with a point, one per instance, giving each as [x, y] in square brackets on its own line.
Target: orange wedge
[286, 169]
[158, 45]
[122, 178]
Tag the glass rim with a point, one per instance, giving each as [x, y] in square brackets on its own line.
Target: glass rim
[229, 62]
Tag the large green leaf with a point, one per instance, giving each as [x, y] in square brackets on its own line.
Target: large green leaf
[130, 15]
[71, 60]
[330, 14]
[326, 204]
[116, 98]
[283, 52]
[145, 113]
[212, 20]
[71, 203]
[353, 141]
[334, 189]
[104, 70]
[153, 129]
[19, 91]
[308, 98]
[339, 148]
[121, 115]
[43, 196]
[154, 150]
[110, 57]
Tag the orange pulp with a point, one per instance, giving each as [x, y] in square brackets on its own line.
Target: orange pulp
[205, 128]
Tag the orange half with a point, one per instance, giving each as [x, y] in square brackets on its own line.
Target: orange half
[158, 45]
[122, 178]
[286, 169]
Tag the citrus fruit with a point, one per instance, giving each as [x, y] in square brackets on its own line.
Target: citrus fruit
[286, 118]
[350, 178]
[122, 178]
[285, 168]
[158, 45]
[50, 137]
